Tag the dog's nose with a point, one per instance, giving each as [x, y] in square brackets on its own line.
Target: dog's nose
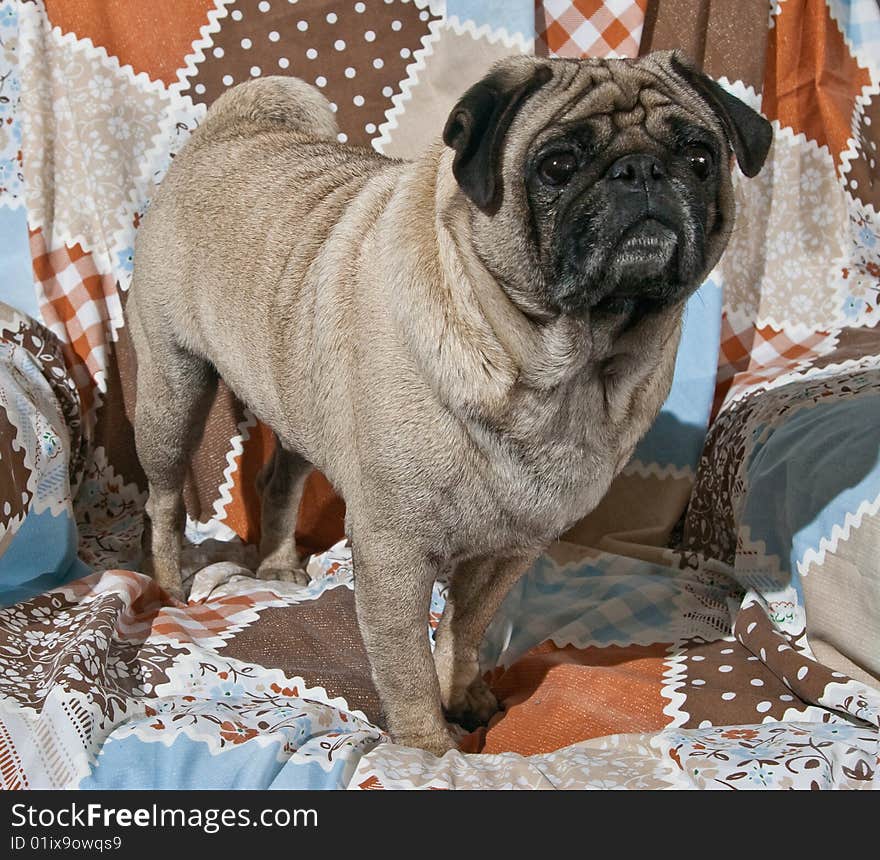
[635, 172]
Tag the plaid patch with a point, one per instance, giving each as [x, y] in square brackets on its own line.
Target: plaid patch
[756, 356]
[211, 624]
[140, 595]
[595, 602]
[589, 28]
[81, 306]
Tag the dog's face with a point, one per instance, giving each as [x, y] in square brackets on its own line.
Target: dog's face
[601, 186]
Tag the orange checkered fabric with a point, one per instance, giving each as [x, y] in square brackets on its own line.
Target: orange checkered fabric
[589, 28]
[755, 356]
[211, 623]
[78, 304]
[207, 624]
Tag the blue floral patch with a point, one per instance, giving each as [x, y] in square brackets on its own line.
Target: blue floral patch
[125, 259]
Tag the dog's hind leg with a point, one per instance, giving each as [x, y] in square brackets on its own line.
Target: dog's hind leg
[174, 393]
[282, 481]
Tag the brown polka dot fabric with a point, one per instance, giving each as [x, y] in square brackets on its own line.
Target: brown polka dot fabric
[798, 672]
[863, 177]
[724, 684]
[356, 53]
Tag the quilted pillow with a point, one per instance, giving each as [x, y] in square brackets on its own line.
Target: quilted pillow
[788, 495]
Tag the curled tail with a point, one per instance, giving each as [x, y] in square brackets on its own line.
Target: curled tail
[270, 101]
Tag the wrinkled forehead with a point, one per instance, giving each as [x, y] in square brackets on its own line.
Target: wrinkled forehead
[606, 99]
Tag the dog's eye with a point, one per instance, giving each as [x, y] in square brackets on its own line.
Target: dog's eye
[699, 158]
[558, 168]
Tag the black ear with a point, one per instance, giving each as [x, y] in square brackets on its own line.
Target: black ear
[750, 135]
[476, 128]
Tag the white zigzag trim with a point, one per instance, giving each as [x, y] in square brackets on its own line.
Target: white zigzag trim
[863, 362]
[127, 490]
[674, 681]
[801, 370]
[492, 35]
[12, 317]
[145, 84]
[863, 97]
[775, 9]
[796, 139]
[236, 449]
[805, 373]
[839, 533]
[861, 101]
[399, 100]
[204, 41]
[59, 236]
[435, 7]
[873, 215]
[198, 637]
[141, 80]
[582, 639]
[313, 693]
[177, 105]
[861, 56]
[851, 153]
[742, 92]
[197, 532]
[109, 61]
[32, 21]
[134, 724]
[738, 318]
[800, 330]
[146, 182]
[655, 470]
[787, 136]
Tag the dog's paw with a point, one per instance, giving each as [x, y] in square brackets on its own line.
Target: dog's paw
[473, 707]
[437, 743]
[283, 574]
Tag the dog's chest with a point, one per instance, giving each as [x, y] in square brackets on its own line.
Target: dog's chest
[552, 460]
[554, 454]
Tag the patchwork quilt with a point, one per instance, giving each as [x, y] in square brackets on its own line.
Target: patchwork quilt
[715, 623]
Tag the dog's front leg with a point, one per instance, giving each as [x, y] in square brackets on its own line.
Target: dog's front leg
[393, 596]
[476, 590]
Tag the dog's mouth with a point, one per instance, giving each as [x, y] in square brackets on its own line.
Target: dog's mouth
[645, 250]
[639, 265]
[639, 268]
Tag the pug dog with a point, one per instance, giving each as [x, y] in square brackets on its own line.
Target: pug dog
[468, 345]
